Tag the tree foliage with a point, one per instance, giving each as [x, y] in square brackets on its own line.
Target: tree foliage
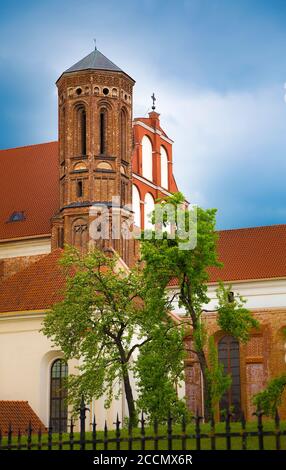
[106, 316]
[271, 397]
[167, 259]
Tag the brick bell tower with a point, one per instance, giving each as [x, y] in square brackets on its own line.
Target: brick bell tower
[95, 149]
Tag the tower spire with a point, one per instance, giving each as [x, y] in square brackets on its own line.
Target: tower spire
[153, 100]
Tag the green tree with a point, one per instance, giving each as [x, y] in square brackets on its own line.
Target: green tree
[106, 316]
[167, 258]
[271, 397]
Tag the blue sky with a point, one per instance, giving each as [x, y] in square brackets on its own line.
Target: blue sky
[218, 68]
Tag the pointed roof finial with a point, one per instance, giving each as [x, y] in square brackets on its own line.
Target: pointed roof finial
[153, 99]
[95, 48]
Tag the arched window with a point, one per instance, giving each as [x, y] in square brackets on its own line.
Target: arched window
[79, 188]
[123, 134]
[149, 206]
[58, 394]
[80, 167]
[228, 355]
[102, 131]
[164, 168]
[136, 206]
[147, 158]
[81, 130]
[80, 234]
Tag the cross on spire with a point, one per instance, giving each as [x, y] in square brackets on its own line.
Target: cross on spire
[153, 99]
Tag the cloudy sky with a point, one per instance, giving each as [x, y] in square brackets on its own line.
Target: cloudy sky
[218, 68]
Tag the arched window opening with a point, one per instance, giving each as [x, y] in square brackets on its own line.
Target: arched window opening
[149, 206]
[80, 234]
[123, 136]
[229, 356]
[164, 168]
[102, 132]
[147, 158]
[136, 206]
[58, 395]
[80, 167]
[82, 130]
[79, 188]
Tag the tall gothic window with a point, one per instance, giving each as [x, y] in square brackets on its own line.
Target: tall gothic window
[81, 130]
[228, 354]
[102, 131]
[58, 394]
[123, 134]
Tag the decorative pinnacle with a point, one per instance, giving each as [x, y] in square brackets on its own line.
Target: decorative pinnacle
[95, 48]
[153, 99]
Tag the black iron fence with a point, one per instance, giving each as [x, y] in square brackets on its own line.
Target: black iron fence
[146, 436]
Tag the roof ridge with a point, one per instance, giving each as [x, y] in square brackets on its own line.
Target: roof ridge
[30, 145]
[251, 228]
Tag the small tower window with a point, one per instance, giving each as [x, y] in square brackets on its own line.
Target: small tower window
[102, 132]
[79, 188]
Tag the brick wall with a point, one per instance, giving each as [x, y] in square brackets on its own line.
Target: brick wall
[261, 359]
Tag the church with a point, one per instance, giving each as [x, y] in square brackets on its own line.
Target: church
[46, 195]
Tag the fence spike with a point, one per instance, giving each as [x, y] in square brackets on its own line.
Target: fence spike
[142, 420]
[19, 436]
[213, 442]
[130, 428]
[243, 434]
[94, 433]
[184, 437]
[10, 432]
[40, 438]
[105, 436]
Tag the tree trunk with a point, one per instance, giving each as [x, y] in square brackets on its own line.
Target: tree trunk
[127, 385]
[129, 398]
[206, 386]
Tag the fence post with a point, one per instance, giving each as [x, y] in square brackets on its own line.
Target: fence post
[105, 436]
[82, 415]
[71, 434]
[94, 433]
[277, 430]
[9, 441]
[142, 421]
[117, 433]
[212, 432]
[259, 415]
[184, 437]
[243, 432]
[170, 432]
[198, 430]
[29, 440]
[130, 441]
[227, 429]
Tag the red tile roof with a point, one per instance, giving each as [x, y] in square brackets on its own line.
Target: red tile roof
[29, 183]
[250, 253]
[36, 287]
[19, 414]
